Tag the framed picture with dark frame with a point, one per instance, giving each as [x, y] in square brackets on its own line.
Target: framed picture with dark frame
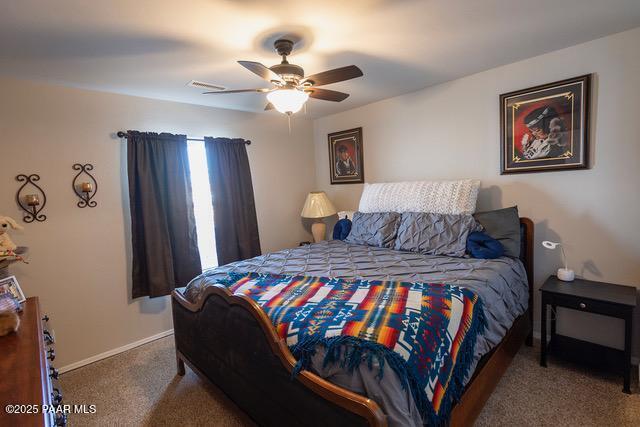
[545, 128]
[345, 157]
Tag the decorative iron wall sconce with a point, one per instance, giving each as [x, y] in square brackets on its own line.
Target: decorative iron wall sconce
[86, 188]
[32, 202]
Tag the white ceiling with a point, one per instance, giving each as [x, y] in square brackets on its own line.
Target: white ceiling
[152, 48]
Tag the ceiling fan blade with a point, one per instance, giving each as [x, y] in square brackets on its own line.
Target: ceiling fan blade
[237, 91]
[326, 94]
[334, 76]
[261, 70]
[268, 107]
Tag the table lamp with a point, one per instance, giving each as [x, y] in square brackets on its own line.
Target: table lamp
[565, 274]
[318, 206]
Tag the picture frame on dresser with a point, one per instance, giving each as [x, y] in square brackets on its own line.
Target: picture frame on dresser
[11, 286]
[546, 127]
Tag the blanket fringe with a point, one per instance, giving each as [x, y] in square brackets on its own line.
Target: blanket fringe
[349, 352]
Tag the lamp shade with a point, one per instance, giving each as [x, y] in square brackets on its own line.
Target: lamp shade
[317, 205]
[288, 101]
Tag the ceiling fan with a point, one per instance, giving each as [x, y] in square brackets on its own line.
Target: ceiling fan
[291, 88]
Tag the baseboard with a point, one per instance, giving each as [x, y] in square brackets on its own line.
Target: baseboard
[634, 359]
[114, 351]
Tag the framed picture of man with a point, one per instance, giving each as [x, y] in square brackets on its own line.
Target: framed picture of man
[345, 157]
[546, 128]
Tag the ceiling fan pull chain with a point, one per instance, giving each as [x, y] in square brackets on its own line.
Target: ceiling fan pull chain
[289, 120]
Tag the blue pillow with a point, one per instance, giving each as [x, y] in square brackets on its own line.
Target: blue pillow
[342, 229]
[481, 245]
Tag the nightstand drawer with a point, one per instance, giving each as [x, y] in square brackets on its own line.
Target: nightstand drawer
[585, 304]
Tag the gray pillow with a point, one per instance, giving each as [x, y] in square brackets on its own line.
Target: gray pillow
[374, 229]
[435, 234]
[504, 226]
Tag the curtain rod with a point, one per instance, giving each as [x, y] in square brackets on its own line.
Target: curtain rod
[121, 134]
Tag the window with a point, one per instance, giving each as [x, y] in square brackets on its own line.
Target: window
[202, 207]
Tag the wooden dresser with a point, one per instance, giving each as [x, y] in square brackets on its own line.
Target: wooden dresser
[28, 381]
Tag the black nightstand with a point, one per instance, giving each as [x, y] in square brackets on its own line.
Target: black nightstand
[592, 297]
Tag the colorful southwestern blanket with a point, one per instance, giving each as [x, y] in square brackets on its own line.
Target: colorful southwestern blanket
[425, 332]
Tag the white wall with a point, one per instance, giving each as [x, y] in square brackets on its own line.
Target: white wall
[79, 258]
[452, 131]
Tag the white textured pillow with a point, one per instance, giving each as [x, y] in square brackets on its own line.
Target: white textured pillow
[445, 197]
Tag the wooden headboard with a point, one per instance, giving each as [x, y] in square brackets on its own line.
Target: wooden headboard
[526, 256]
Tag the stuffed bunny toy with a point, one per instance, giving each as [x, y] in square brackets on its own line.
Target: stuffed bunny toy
[6, 244]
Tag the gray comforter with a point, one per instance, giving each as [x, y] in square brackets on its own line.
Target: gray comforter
[501, 284]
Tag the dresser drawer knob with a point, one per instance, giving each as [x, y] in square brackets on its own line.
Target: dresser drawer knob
[61, 420]
[53, 372]
[51, 354]
[583, 305]
[56, 397]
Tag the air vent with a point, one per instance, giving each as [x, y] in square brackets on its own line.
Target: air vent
[204, 85]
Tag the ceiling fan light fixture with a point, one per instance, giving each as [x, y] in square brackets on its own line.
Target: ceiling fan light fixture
[288, 101]
[292, 89]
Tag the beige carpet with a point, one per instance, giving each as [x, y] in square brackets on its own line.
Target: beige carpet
[140, 387]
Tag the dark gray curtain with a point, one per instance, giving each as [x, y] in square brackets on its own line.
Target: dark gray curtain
[163, 227]
[234, 207]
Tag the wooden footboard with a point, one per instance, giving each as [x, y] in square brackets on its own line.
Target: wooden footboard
[231, 342]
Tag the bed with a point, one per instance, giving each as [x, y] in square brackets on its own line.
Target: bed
[229, 340]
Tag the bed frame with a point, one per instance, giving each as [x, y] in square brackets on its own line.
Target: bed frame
[229, 341]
